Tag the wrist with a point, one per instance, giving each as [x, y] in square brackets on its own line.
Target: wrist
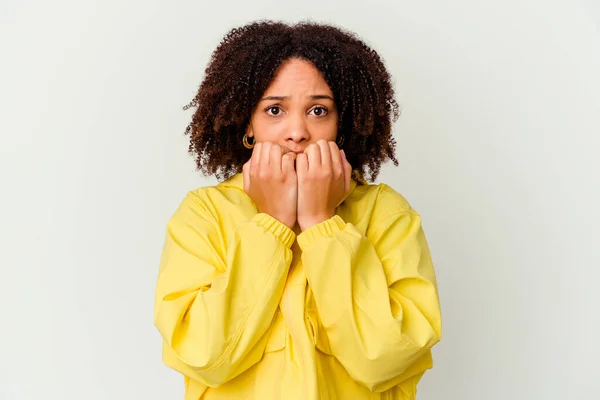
[287, 221]
[307, 222]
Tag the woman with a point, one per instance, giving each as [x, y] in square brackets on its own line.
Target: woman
[293, 278]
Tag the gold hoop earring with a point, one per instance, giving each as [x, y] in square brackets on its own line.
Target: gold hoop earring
[340, 141]
[247, 144]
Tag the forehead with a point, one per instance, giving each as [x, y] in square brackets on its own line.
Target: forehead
[297, 75]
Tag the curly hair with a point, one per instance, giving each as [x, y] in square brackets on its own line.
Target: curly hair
[246, 61]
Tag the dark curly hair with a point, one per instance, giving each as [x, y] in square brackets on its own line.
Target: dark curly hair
[242, 68]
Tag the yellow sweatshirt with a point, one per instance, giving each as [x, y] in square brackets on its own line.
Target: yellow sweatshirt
[249, 309]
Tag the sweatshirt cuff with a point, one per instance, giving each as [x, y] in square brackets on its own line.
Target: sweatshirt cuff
[276, 227]
[326, 228]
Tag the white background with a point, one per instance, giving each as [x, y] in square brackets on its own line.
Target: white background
[498, 148]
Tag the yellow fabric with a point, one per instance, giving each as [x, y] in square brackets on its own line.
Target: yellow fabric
[249, 309]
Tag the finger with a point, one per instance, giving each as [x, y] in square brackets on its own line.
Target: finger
[302, 165]
[314, 156]
[347, 171]
[275, 157]
[256, 154]
[287, 163]
[325, 153]
[336, 160]
[264, 153]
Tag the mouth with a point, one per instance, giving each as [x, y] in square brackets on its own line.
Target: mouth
[297, 151]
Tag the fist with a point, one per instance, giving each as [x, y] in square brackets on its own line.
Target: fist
[271, 182]
[323, 181]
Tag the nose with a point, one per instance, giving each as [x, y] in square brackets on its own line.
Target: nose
[297, 130]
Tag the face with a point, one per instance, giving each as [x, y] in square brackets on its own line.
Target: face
[297, 109]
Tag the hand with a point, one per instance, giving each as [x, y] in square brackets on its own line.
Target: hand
[323, 181]
[270, 181]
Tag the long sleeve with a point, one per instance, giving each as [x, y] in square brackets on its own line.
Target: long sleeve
[217, 294]
[376, 295]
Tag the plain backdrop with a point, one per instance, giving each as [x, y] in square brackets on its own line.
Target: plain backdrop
[498, 145]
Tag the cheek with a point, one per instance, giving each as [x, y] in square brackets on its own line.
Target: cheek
[263, 130]
[326, 130]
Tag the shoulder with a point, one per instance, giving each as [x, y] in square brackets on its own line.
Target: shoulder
[369, 205]
[230, 191]
[218, 203]
[381, 196]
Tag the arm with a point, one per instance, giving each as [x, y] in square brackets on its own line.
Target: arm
[376, 295]
[216, 296]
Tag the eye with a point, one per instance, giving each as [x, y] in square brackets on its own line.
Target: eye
[319, 111]
[273, 111]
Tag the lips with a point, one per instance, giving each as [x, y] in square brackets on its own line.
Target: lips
[297, 151]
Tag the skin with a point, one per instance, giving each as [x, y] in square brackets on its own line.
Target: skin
[296, 173]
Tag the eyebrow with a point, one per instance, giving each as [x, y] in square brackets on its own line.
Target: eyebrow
[313, 97]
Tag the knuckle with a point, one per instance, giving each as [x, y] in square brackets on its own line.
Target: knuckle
[263, 174]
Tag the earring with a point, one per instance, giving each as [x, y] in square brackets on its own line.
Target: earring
[247, 144]
[340, 140]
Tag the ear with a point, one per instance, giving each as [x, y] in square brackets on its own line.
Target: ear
[249, 131]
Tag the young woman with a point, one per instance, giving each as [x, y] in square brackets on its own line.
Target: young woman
[294, 278]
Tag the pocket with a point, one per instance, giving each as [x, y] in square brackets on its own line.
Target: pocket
[319, 335]
[277, 334]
